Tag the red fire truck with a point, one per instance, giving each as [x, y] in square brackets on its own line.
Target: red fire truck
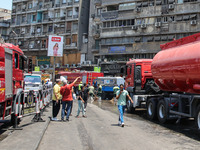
[169, 85]
[86, 76]
[12, 63]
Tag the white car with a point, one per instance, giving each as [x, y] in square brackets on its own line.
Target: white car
[33, 82]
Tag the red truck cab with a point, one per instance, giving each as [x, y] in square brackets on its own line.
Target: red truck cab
[139, 77]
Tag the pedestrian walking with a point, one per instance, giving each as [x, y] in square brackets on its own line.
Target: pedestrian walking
[66, 92]
[115, 89]
[99, 92]
[81, 102]
[121, 97]
[85, 97]
[91, 93]
[56, 100]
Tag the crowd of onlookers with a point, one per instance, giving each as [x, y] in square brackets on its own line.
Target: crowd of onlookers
[65, 93]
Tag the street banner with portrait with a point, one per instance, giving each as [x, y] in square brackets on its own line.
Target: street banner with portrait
[55, 46]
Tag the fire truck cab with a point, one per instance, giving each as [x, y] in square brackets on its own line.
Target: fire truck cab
[12, 63]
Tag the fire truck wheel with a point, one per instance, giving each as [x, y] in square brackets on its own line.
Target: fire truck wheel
[151, 109]
[197, 117]
[161, 111]
[130, 108]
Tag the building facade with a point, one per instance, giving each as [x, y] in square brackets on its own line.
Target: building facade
[5, 18]
[34, 20]
[125, 29]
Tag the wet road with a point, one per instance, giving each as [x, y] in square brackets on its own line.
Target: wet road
[185, 127]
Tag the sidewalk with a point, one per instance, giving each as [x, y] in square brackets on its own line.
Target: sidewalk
[29, 138]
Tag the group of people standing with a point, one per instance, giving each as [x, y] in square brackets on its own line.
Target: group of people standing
[66, 95]
[63, 94]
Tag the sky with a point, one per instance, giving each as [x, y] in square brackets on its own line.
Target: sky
[7, 4]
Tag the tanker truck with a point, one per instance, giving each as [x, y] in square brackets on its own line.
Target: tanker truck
[168, 85]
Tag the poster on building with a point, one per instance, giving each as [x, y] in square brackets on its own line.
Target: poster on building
[55, 46]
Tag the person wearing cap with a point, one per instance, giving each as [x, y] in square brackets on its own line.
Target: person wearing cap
[66, 92]
[56, 100]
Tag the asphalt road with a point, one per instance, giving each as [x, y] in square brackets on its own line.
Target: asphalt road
[100, 131]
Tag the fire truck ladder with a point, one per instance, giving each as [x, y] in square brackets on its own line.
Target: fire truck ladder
[90, 78]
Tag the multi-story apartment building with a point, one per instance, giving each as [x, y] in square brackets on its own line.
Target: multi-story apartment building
[5, 16]
[124, 29]
[34, 20]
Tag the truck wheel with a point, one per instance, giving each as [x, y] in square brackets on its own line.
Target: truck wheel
[130, 108]
[151, 109]
[161, 111]
[197, 117]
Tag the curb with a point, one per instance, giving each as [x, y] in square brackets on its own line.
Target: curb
[44, 130]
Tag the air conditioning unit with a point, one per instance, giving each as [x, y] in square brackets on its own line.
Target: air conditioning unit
[158, 24]
[56, 25]
[67, 65]
[138, 9]
[93, 16]
[143, 26]
[134, 27]
[171, 6]
[88, 62]
[84, 62]
[30, 46]
[79, 65]
[193, 22]
[57, 65]
[74, 65]
[62, 25]
[73, 44]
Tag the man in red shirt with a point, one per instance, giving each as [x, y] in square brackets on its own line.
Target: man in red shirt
[66, 92]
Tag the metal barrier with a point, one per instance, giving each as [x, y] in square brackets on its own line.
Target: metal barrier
[29, 103]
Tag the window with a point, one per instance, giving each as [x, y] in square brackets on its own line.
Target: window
[108, 24]
[34, 18]
[97, 43]
[127, 6]
[98, 11]
[171, 18]
[64, 1]
[112, 23]
[179, 1]
[76, 1]
[69, 13]
[16, 61]
[29, 5]
[112, 7]
[68, 40]
[104, 24]
[158, 19]
[165, 19]
[124, 22]
[50, 28]
[23, 18]
[21, 63]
